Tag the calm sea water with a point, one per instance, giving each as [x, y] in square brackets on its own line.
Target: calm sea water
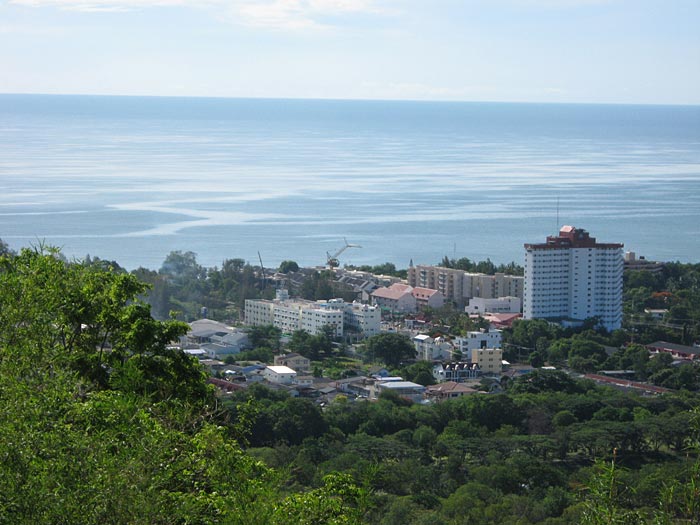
[132, 178]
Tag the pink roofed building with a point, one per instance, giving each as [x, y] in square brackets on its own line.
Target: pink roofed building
[501, 320]
[428, 297]
[397, 298]
[407, 299]
[448, 390]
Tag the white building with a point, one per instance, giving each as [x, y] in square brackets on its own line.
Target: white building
[571, 277]
[313, 320]
[259, 312]
[478, 339]
[429, 349]
[363, 318]
[286, 316]
[501, 305]
[290, 315]
[281, 375]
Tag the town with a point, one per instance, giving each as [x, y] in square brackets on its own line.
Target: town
[328, 347]
[464, 392]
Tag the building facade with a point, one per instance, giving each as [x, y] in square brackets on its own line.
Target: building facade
[478, 339]
[295, 361]
[501, 305]
[458, 286]
[429, 349]
[290, 315]
[489, 360]
[571, 277]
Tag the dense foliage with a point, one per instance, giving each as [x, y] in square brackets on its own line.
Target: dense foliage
[535, 454]
[675, 291]
[102, 422]
[487, 267]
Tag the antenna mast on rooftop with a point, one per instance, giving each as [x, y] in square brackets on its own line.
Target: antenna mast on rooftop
[557, 229]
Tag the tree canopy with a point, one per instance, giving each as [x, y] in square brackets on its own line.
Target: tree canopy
[104, 422]
[390, 348]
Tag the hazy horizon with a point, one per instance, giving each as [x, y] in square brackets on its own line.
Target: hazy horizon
[330, 99]
[531, 51]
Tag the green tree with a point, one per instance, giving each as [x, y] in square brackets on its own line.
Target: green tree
[103, 423]
[536, 359]
[390, 348]
[539, 381]
[267, 336]
[5, 249]
[288, 267]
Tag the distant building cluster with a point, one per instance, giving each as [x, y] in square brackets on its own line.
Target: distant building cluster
[459, 287]
[290, 315]
[569, 278]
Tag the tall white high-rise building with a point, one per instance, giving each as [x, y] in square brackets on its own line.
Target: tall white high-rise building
[571, 277]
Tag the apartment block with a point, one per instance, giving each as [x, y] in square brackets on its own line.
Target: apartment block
[489, 360]
[478, 339]
[290, 315]
[459, 286]
[572, 277]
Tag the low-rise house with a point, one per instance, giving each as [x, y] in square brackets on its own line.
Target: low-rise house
[295, 361]
[405, 389]
[403, 298]
[689, 353]
[359, 386]
[625, 384]
[456, 371]
[304, 380]
[216, 339]
[207, 331]
[280, 375]
[447, 390]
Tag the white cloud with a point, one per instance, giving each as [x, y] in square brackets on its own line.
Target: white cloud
[102, 5]
[560, 4]
[272, 14]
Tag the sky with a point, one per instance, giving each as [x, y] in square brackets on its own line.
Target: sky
[579, 51]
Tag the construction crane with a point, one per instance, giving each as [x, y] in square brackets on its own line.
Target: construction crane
[262, 273]
[332, 261]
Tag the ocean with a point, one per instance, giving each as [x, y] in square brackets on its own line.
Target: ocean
[132, 178]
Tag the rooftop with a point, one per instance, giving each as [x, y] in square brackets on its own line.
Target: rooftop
[571, 237]
[395, 291]
[281, 370]
[693, 350]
